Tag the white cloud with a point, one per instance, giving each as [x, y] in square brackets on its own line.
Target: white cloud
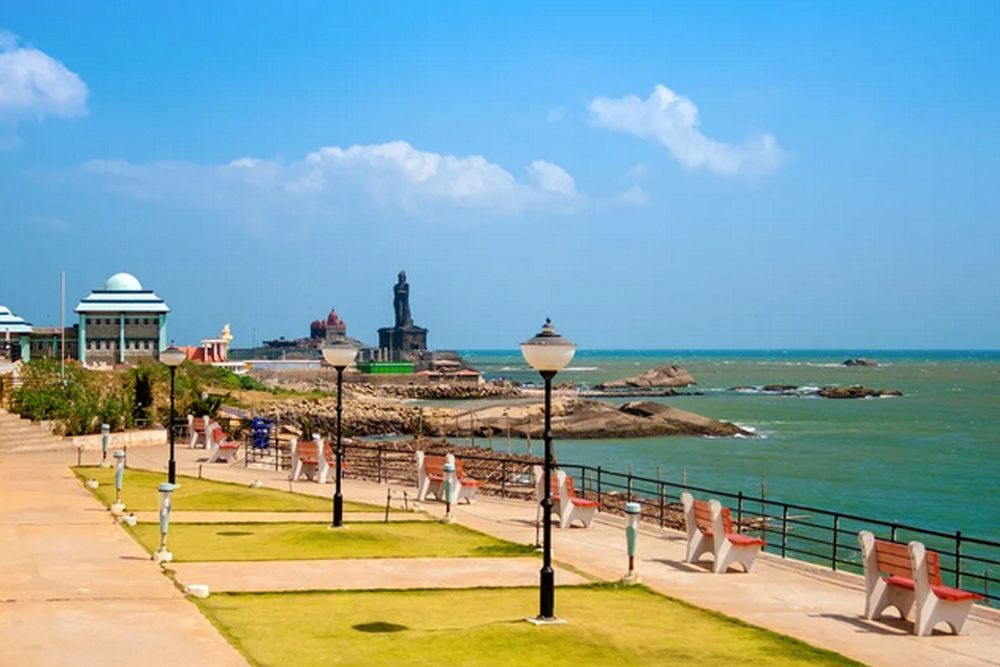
[552, 178]
[634, 196]
[672, 120]
[333, 179]
[35, 85]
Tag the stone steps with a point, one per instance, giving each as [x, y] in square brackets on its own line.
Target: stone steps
[21, 435]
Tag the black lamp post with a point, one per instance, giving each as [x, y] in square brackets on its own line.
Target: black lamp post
[173, 356]
[547, 353]
[339, 355]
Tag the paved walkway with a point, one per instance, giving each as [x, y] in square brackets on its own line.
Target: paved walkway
[79, 591]
[76, 590]
[374, 573]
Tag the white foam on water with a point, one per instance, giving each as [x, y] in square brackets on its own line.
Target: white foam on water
[580, 369]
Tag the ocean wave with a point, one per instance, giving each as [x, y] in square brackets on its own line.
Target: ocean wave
[581, 369]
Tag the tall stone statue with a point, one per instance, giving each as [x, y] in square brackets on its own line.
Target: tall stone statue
[401, 302]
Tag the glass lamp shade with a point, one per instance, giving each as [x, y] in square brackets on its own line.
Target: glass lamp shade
[340, 354]
[173, 356]
[548, 351]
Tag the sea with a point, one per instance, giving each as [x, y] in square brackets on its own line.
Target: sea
[930, 458]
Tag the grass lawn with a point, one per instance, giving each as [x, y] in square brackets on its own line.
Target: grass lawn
[607, 625]
[139, 493]
[190, 542]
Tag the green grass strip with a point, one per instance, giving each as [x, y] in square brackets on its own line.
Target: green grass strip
[192, 542]
[139, 493]
[607, 625]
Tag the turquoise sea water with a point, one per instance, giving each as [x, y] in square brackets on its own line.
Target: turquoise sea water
[930, 458]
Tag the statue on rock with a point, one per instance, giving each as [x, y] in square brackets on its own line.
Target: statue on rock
[401, 302]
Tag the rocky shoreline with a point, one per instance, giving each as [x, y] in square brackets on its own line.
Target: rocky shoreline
[835, 392]
[572, 417]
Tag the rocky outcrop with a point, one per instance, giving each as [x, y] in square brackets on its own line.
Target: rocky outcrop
[663, 376]
[572, 417]
[856, 391]
[438, 392]
[859, 362]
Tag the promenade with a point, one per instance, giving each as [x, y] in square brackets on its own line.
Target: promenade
[77, 589]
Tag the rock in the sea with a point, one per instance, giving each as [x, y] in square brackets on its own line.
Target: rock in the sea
[664, 376]
[856, 391]
[860, 361]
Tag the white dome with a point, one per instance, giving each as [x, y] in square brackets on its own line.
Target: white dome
[122, 282]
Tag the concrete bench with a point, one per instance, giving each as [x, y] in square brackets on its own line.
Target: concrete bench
[565, 503]
[709, 528]
[431, 477]
[221, 448]
[912, 584]
[198, 427]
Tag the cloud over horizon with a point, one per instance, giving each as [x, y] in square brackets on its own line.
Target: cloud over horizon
[672, 120]
[34, 85]
[392, 174]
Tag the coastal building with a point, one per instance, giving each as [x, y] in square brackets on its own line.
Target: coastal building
[211, 350]
[13, 330]
[330, 329]
[122, 323]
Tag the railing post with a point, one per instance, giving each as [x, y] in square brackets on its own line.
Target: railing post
[784, 531]
[892, 534]
[599, 484]
[739, 512]
[836, 538]
[629, 484]
[958, 559]
[503, 478]
[659, 492]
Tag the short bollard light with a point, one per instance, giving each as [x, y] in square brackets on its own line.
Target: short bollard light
[119, 507]
[632, 511]
[105, 433]
[166, 493]
[449, 475]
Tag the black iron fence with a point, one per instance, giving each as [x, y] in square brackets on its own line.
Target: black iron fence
[819, 536]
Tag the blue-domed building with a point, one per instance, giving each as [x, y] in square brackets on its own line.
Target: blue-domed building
[121, 323]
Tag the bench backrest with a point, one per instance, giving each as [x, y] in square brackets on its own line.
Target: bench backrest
[307, 449]
[459, 470]
[570, 491]
[893, 559]
[703, 517]
[199, 423]
[434, 465]
[218, 435]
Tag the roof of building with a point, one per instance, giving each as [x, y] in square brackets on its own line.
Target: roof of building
[9, 322]
[122, 293]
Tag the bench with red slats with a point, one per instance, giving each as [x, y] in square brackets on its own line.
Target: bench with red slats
[894, 560]
[703, 517]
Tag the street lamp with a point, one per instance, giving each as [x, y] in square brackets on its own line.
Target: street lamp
[173, 356]
[339, 355]
[547, 353]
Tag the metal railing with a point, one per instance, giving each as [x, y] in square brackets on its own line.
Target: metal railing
[819, 536]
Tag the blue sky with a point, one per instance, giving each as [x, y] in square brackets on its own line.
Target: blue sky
[650, 175]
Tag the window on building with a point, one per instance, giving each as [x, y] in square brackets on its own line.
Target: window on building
[145, 320]
[88, 321]
[88, 344]
[145, 345]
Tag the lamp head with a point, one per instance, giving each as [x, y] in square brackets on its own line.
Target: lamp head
[340, 354]
[173, 356]
[548, 351]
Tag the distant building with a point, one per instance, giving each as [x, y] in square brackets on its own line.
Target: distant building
[13, 330]
[122, 323]
[329, 330]
[212, 350]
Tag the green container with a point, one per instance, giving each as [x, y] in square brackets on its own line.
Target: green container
[386, 367]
